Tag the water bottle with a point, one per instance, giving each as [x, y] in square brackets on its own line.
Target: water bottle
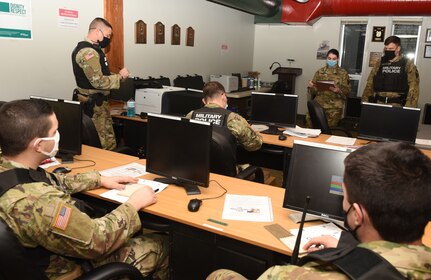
[131, 108]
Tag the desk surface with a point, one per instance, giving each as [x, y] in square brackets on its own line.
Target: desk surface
[172, 203]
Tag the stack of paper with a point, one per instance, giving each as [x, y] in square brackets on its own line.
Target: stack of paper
[302, 132]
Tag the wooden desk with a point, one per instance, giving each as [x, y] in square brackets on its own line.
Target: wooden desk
[196, 249]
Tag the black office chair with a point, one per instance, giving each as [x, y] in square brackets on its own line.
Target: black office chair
[15, 262]
[319, 121]
[223, 156]
[91, 138]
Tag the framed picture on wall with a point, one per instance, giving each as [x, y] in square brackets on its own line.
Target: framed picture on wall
[427, 53]
[428, 36]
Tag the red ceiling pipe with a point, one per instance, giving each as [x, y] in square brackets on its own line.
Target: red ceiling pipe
[309, 12]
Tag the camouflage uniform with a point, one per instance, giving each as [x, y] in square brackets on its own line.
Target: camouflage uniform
[33, 212]
[240, 128]
[331, 102]
[101, 81]
[413, 262]
[412, 80]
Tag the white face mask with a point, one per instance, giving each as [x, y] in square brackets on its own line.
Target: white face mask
[56, 139]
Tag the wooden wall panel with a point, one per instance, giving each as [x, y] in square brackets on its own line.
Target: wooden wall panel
[113, 10]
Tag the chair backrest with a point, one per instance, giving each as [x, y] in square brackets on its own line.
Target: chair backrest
[427, 114]
[90, 136]
[318, 117]
[223, 152]
[14, 261]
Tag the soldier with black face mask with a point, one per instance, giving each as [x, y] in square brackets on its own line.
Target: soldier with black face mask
[94, 79]
[394, 79]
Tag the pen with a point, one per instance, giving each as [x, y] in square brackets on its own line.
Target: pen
[156, 190]
[217, 222]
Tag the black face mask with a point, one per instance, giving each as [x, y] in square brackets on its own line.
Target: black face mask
[105, 42]
[389, 55]
[346, 223]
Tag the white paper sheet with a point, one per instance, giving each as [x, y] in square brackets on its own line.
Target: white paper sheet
[132, 169]
[247, 208]
[113, 194]
[309, 233]
[302, 132]
[346, 141]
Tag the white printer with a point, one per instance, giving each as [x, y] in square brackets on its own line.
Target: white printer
[230, 83]
[149, 100]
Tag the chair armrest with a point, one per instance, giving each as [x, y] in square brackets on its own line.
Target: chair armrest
[111, 270]
[246, 173]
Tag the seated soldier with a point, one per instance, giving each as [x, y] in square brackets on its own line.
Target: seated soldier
[387, 194]
[214, 111]
[40, 211]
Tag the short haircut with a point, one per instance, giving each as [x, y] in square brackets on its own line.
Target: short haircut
[98, 22]
[21, 122]
[334, 52]
[392, 181]
[393, 39]
[212, 89]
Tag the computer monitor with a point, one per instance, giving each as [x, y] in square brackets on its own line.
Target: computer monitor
[179, 149]
[69, 116]
[274, 110]
[316, 170]
[381, 122]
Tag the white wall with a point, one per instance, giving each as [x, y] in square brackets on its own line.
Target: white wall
[42, 66]
[279, 42]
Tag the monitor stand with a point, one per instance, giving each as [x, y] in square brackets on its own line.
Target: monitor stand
[273, 130]
[296, 218]
[66, 158]
[189, 188]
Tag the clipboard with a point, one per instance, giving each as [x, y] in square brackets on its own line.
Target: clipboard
[324, 85]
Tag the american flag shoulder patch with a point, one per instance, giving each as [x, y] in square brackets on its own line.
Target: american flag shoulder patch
[62, 218]
[89, 56]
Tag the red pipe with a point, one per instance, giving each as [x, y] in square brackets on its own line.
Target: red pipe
[300, 13]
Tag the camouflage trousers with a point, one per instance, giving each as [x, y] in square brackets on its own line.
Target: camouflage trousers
[103, 121]
[148, 253]
[225, 274]
[333, 115]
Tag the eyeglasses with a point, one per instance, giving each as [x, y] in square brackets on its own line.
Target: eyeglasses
[107, 36]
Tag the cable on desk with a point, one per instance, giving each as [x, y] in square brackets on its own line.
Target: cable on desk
[85, 166]
[225, 191]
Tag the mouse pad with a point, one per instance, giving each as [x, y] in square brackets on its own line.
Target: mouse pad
[130, 189]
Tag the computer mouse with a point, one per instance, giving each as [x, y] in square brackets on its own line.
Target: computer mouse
[61, 169]
[194, 205]
[282, 137]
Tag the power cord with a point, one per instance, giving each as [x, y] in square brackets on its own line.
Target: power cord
[225, 191]
[85, 166]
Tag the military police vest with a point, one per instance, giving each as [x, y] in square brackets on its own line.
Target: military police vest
[392, 77]
[216, 116]
[81, 79]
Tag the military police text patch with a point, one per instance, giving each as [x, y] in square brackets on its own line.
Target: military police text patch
[62, 218]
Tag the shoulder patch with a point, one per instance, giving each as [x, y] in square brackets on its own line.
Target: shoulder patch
[62, 217]
[89, 56]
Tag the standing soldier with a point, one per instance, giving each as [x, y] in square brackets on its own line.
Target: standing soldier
[333, 99]
[394, 79]
[94, 79]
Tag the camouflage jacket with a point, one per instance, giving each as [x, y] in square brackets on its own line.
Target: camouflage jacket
[89, 60]
[45, 215]
[328, 99]
[412, 79]
[414, 262]
[241, 129]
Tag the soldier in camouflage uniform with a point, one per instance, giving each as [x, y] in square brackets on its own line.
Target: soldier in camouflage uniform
[214, 111]
[394, 79]
[387, 190]
[94, 79]
[332, 100]
[45, 218]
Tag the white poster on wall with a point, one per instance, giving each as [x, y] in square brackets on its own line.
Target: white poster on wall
[16, 20]
[68, 18]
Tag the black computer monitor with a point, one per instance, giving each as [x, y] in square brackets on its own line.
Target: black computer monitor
[381, 122]
[316, 170]
[274, 110]
[69, 116]
[179, 149]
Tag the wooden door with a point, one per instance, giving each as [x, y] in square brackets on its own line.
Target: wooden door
[113, 10]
